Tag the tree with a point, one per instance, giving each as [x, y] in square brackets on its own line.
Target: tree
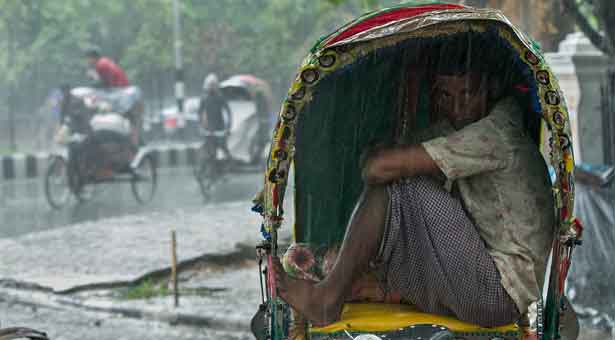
[542, 19]
[596, 19]
[47, 38]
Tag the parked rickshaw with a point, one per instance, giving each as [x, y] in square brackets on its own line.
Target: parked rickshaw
[345, 97]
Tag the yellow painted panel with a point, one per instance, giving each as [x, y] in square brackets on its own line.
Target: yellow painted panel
[389, 317]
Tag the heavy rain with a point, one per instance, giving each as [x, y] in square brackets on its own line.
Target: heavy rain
[296, 169]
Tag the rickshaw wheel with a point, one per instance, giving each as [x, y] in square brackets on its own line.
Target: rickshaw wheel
[85, 193]
[144, 180]
[57, 188]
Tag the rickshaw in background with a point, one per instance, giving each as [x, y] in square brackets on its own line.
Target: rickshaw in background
[99, 138]
[366, 83]
[248, 137]
[21, 333]
[256, 127]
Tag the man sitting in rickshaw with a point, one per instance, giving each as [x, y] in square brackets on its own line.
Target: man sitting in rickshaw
[460, 220]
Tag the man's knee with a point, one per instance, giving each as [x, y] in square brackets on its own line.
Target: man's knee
[376, 191]
[424, 188]
[376, 197]
[427, 183]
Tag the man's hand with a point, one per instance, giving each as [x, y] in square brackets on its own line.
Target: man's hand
[386, 164]
[93, 75]
[383, 164]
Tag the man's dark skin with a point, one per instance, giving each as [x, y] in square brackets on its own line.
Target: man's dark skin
[463, 100]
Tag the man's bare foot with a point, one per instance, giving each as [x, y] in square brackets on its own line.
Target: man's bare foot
[319, 305]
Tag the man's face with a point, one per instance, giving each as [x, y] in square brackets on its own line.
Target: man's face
[91, 61]
[461, 98]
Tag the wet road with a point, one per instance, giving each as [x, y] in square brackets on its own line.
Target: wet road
[66, 324]
[23, 208]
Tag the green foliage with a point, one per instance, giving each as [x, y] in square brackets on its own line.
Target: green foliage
[596, 19]
[146, 290]
[44, 40]
[366, 5]
[587, 9]
[150, 289]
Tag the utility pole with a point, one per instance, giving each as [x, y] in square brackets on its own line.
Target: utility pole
[179, 71]
[11, 90]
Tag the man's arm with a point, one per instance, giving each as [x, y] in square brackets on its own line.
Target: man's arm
[480, 147]
[229, 116]
[201, 112]
[385, 165]
[104, 74]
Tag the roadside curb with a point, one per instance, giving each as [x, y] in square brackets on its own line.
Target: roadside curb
[174, 318]
[32, 294]
[241, 252]
[34, 165]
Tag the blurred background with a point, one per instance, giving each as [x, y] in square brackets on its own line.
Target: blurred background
[65, 271]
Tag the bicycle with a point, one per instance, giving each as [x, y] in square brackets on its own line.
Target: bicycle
[208, 168]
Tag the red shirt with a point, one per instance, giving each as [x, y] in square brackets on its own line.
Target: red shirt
[110, 73]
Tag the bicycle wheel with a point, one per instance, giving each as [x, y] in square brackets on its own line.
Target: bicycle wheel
[206, 179]
[206, 169]
[144, 180]
[199, 157]
[57, 189]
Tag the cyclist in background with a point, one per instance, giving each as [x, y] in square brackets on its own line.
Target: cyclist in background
[215, 116]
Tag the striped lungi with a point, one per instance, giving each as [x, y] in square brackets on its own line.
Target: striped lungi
[435, 258]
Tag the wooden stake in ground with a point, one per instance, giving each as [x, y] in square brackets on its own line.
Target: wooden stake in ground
[174, 267]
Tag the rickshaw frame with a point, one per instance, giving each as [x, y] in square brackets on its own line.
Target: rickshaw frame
[132, 174]
[340, 48]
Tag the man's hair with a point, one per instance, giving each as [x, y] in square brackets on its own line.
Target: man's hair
[467, 54]
[92, 53]
[459, 56]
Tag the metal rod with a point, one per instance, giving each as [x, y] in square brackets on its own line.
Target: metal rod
[260, 276]
[179, 71]
[11, 90]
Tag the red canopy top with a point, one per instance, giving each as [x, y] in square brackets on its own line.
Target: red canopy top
[385, 17]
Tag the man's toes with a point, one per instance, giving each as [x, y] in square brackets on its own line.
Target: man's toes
[277, 267]
[275, 261]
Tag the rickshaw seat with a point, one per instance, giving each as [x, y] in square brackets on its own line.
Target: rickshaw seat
[380, 317]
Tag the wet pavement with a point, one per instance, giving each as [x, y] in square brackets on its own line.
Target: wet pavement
[120, 239]
[24, 209]
[74, 324]
[112, 239]
[226, 301]
[125, 248]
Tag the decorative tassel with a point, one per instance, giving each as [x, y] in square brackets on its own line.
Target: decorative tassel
[265, 233]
